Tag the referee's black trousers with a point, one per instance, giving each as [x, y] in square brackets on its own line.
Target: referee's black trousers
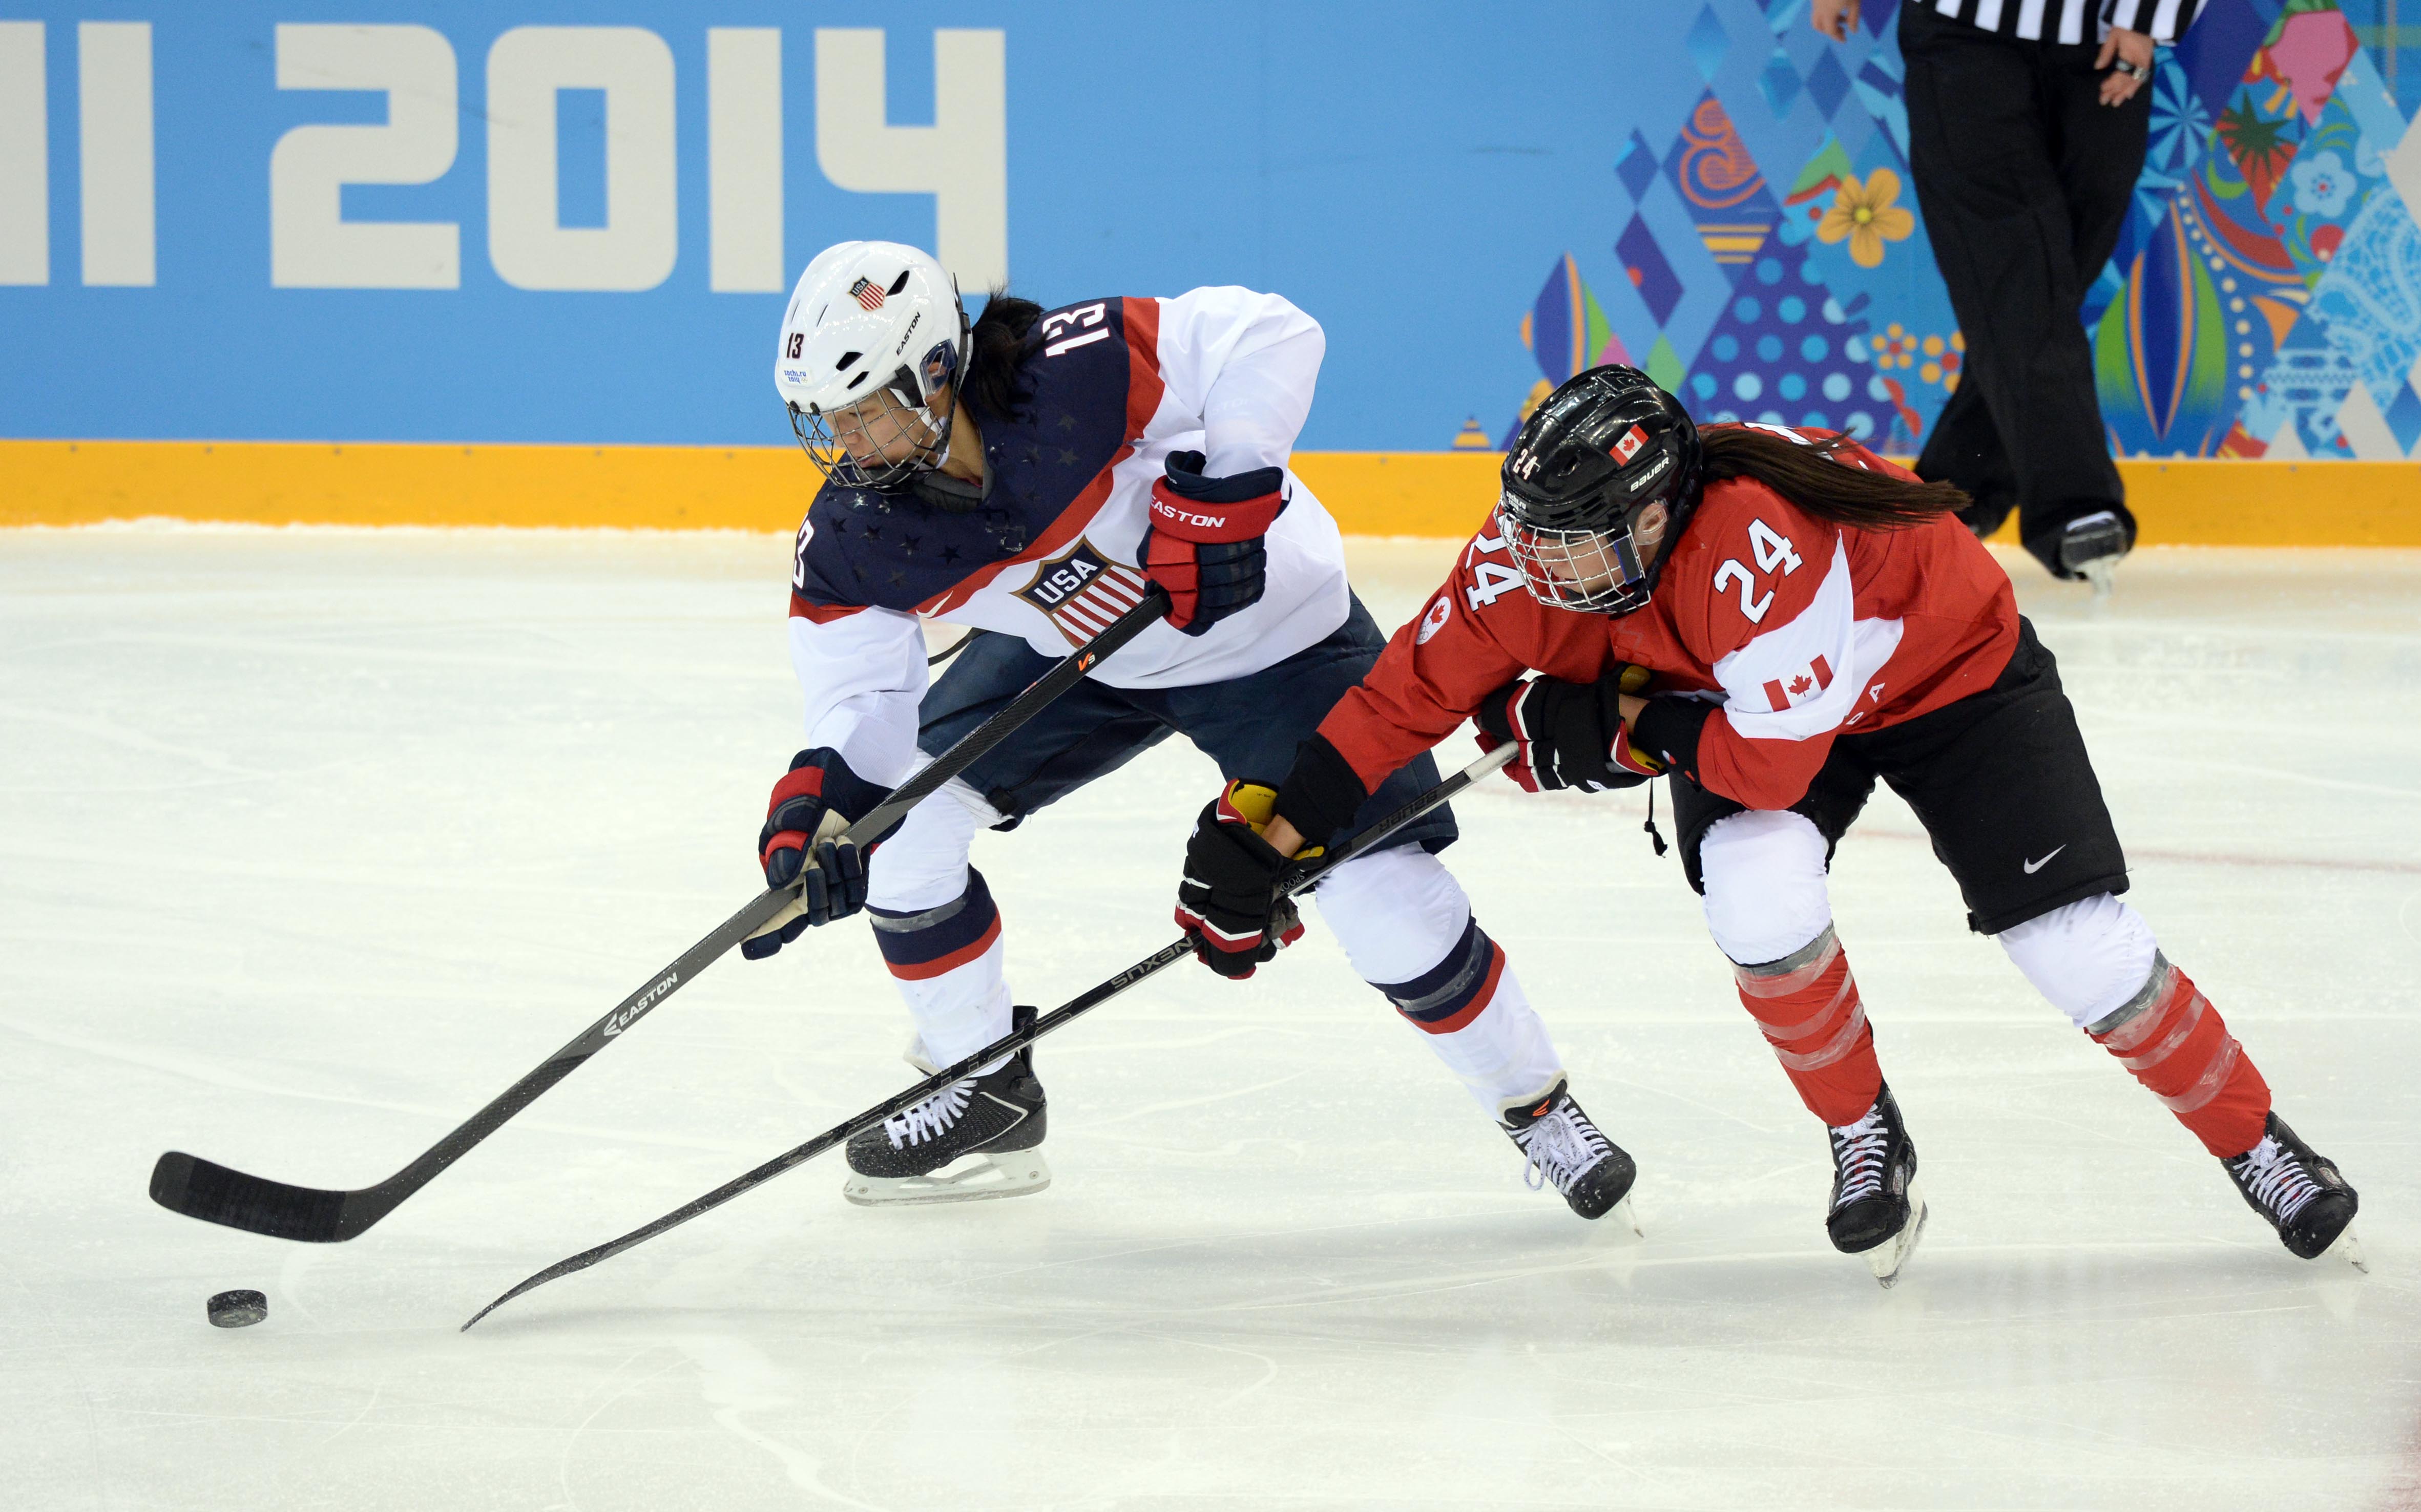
[2024, 177]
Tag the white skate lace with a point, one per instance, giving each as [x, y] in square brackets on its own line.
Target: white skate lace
[1858, 1151]
[930, 1118]
[2276, 1179]
[1561, 1146]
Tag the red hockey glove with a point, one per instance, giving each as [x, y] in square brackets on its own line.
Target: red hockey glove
[1228, 905]
[1203, 544]
[1570, 734]
[815, 800]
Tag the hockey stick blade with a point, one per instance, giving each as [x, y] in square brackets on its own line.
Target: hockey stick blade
[215, 1194]
[1291, 882]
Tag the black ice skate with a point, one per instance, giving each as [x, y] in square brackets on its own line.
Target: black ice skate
[2091, 546]
[979, 1137]
[1877, 1210]
[1568, 1151]
[2301, 1193]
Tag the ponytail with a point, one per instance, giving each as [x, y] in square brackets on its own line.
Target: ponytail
[999, 338]
[1810, 476]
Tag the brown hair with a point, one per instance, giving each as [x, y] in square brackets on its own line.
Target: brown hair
[1811, 476]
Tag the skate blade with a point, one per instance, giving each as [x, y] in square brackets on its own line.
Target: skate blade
[2349, 1249]
[1624, 1215]
[1887, 1260]
[970, 1179]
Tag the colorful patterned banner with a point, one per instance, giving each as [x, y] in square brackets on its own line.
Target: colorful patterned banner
[2265, 299]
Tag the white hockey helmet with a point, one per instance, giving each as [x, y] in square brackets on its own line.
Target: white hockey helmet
[873, 331]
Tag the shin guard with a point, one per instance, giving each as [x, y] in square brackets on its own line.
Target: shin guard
[1807, 1003]
[2176, 1043]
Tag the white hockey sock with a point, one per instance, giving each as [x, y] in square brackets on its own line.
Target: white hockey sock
[961, 1009]
[1407, 927]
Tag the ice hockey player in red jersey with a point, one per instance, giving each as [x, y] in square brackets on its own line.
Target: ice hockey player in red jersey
[1031, 477]
[1814, 619]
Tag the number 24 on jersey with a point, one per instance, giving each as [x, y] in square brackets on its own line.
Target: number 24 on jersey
[1771, 550]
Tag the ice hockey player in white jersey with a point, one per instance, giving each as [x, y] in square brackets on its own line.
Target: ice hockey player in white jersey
[1030, 476]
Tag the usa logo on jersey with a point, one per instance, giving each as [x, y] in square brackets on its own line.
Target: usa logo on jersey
[1082, 593]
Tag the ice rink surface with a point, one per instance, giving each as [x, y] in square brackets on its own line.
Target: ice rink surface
[311, 841]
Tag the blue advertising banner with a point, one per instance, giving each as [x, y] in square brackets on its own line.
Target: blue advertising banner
[537, 221]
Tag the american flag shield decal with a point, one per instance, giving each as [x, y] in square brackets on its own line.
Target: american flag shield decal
[866, 292]
[1083, 593]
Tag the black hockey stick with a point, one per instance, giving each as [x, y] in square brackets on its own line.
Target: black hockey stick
[1293, 880]
[215, 1194]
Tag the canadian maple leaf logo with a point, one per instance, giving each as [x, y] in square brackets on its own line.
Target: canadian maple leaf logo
[1781, 696]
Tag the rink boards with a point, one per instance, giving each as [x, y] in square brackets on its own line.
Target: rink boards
[2176, 502]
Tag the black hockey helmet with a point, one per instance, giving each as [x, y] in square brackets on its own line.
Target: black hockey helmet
[1589, 460]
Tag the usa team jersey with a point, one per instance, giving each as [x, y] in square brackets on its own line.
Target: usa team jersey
[1798, 629]
[1050, 557]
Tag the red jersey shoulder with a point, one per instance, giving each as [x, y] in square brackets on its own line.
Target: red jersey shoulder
[1485, 573]
[1749, 562]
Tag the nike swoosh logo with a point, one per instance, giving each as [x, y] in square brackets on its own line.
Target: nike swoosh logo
[2034, 866]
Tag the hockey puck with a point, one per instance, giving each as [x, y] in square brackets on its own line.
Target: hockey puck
[238, 1309]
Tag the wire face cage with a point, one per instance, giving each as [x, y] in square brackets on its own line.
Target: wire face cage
[879, 443]
[1590, 571]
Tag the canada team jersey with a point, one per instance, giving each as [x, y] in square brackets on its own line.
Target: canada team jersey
[1799, 629]
[1049, 555]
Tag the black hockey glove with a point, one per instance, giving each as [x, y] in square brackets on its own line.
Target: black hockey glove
[815, 800]
[1322, 793]
[1204, 543]
[1228, 905]
[1668, 729]
[1571, 734]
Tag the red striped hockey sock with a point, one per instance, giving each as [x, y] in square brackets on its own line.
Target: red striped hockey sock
[2176, 1043]
[1808, 1004]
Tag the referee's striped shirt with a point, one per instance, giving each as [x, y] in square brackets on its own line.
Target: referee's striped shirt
[2071, 21]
